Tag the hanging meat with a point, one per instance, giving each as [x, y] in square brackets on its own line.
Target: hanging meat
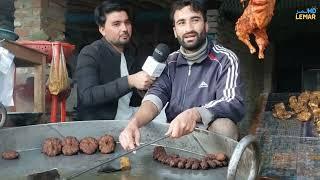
[254, 20]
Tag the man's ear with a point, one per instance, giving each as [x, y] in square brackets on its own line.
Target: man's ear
[174, 31]
[101, 30]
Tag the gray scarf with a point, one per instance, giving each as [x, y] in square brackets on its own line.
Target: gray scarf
[195, 57]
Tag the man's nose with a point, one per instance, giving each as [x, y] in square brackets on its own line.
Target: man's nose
[123, 27]
[188, 27]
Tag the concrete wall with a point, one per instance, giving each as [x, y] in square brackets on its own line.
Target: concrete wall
[40, 19]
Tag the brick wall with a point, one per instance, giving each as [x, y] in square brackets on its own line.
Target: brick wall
[256, 75]
[40, 19]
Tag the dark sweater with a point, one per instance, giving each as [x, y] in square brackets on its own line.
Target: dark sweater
[100, 84]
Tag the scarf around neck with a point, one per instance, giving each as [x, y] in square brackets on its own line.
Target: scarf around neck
[195, 57]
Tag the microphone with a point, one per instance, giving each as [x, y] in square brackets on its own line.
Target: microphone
[154, 64]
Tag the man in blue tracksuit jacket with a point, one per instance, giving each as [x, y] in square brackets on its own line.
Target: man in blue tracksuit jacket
[200, 84]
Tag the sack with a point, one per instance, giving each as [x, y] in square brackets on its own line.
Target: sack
[58, 78]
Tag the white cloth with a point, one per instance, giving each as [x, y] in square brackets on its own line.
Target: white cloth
[7, 70]
[124, 111]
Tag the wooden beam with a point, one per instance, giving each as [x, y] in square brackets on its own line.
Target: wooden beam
[24, 54]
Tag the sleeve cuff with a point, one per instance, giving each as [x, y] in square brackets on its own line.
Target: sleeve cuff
[206, 115]
[155, 100]
[123, 84]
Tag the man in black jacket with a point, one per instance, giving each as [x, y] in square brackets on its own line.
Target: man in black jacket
[108, 78]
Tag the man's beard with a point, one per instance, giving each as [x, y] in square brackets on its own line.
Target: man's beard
[121, 43]
[200, 40]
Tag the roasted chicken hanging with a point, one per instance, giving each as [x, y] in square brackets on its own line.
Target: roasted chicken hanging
[254, 20]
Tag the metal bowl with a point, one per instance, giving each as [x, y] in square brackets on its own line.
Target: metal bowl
[7, 34]
[3, 115]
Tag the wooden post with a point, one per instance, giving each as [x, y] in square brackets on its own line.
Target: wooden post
[39, 87]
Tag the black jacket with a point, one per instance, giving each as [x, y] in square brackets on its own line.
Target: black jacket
[99, 83]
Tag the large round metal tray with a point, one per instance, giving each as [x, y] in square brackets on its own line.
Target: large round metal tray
[27, 141]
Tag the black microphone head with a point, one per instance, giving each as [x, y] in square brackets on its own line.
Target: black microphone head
[161, 52]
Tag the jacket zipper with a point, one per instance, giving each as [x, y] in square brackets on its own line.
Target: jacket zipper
[185, 87]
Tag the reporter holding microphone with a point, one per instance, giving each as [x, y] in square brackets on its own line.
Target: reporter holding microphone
[108, 79]
[200, 83]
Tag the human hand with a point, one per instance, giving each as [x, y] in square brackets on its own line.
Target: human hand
[130, 137]
[140, 80]
[184, 123]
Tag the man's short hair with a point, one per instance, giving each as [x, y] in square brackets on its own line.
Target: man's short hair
[195, 6]
[107, 7]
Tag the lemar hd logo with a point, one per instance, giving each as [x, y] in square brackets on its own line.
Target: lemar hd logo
[307, 14]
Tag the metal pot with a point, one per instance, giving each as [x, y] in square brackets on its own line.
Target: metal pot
[3, 113]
